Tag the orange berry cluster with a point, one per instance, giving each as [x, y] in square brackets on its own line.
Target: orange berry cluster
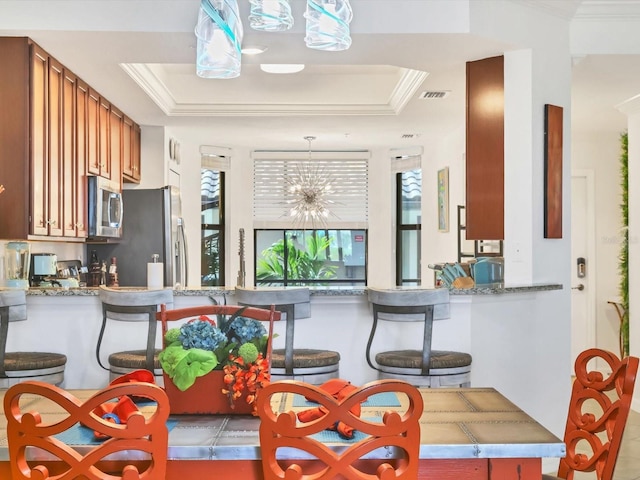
[239, 377]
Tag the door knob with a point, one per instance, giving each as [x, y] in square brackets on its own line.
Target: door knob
[579, 287]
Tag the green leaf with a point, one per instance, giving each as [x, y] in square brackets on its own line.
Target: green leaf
[184, 366]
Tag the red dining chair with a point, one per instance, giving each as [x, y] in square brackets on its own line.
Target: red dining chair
[45, 445]
[396, 431]
[598, 413]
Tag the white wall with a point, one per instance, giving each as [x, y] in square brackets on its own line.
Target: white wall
[439, 247]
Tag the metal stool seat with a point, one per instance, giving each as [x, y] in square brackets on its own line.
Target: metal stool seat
[133, 360]
[440, 359]
[426, 367]
[133, 306]
[18, 366]
[314, 366]
[305, 358]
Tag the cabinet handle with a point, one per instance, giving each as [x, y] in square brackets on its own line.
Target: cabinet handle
[51, 222]
[79, 225]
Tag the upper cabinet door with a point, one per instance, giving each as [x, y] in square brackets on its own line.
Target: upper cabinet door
[485, 150]
[103, 138]
[56, 80]
[93, 132]
[39, 146]
[82, 130]
[115, 143]
[69, 155]
[130, 151]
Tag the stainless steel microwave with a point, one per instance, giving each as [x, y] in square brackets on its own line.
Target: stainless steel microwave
[105, 208]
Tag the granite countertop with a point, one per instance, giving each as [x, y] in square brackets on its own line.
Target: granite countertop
[489, 289]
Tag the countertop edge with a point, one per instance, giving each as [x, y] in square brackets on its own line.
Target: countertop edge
[490, 289]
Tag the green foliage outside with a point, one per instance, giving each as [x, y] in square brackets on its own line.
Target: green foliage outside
[623, 259]
[210, 261]
[301, 264]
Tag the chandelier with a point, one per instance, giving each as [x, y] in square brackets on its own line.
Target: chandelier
[309, 190]
[219, 30]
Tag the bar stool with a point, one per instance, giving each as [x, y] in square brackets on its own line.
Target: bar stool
[425, 367]
[132, 306]
[303, 364]
[18, 366]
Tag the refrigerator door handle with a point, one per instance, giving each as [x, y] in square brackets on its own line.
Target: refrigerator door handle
[183, 261]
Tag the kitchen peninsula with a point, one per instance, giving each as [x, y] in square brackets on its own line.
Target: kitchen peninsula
[505, 328]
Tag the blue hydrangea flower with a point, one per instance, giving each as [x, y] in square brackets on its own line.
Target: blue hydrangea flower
[243, 330]
[201, 334]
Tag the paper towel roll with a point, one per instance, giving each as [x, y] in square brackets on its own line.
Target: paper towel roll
[155, 276]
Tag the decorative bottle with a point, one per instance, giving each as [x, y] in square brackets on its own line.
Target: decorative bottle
[112, 277]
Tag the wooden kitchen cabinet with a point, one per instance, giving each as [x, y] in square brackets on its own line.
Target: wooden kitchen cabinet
[109, 146]
[130, 151]
[39, 144]
[104, 108]
[69, 186]
[82, 131]
[56, 131]
[485, 149]
[93, 132]
[46, 161]
[74, 134]
[116, 119]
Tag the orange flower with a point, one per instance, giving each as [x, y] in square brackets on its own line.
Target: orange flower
[240, 377]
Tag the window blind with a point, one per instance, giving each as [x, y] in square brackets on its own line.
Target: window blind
[347, 172]
[215, 158]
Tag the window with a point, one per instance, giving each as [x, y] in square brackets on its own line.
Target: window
[212, 227]
[409, 220]
[312, 257]
[331, 254]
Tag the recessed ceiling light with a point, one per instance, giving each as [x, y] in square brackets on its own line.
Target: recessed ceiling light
[254, 50]
[282, 67]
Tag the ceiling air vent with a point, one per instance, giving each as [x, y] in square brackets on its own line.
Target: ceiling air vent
[434, 94]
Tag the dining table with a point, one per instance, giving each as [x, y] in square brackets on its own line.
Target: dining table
[466, 433]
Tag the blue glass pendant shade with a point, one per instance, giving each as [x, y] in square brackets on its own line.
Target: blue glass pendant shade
[270, 15]
[328, 24]
[219, 35]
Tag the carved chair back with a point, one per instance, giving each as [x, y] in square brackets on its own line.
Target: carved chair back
[397, 431]
[37, 448]
[598, 413]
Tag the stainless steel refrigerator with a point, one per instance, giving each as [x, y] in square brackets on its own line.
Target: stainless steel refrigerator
[152, 224]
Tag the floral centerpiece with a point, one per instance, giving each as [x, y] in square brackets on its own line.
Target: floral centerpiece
[237, 346]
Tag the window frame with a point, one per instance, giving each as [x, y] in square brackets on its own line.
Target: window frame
[219, 227]
[402, 227]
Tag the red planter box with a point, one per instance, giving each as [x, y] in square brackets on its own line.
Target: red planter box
[205, 397]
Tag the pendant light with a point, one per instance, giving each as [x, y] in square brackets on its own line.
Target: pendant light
[270, 15]
[328, 24]
[219, 38]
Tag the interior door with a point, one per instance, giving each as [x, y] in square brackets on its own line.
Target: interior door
[583, 322]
